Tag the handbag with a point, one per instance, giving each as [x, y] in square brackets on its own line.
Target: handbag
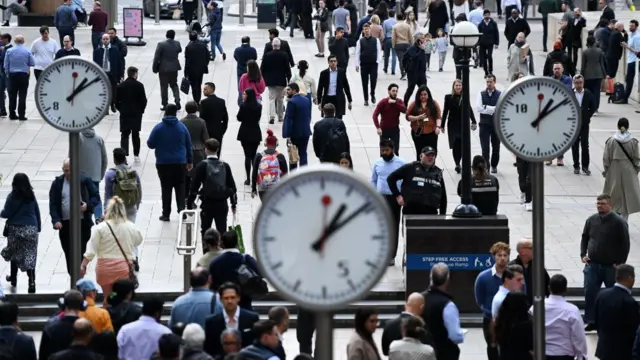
[132, 274]
[237, 228]
[185, 85]
[5, 231]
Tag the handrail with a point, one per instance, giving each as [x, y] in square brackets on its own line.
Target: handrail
[190, 219]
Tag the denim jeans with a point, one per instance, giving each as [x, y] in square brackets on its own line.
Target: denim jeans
[96, 38]
[215, 42]
[631, 76]
[3, 88]
[97, 212]
[594, 276]
[388, 48]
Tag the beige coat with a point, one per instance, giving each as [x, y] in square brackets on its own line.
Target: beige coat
[621, 175]
[516, 63]
[410, 349]
[360, 349]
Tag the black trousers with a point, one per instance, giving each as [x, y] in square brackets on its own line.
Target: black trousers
[524, 178]
[492, 351]
[250, 150]
[135, 139]
[412, 83]
[169, 79]
[486, 59]
[214, 211]
[114, 80]
[488, 136]
[395, 212]
[423, 140]
[304, 330]
[456, 150]
[196, 85]
[612, 67]
[188, 8]
[561, 357]
[18, 86]
[36, 73]
[572, 52]
[594, 86]
[307, 25]
[582, 143]
[545, 32]
[65, 240]
[172, 178]
[394, 135]
[369, 72]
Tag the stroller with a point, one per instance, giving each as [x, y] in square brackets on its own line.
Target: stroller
[203, 35]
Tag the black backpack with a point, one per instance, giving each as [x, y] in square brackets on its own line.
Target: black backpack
[337, 142]
[215, 183]
[618, 92]
[251, 283]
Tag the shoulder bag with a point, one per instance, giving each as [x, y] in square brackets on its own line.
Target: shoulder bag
[628, 156]
[132, 274]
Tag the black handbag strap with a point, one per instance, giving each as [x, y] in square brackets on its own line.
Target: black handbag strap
[117, 241]
[626, 153]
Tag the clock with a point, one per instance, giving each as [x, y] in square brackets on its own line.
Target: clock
[323, 237]
[538, 118]
[73, 94]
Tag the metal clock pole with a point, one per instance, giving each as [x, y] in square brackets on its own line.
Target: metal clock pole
[537, 194]
[75, 220]
[324, 336]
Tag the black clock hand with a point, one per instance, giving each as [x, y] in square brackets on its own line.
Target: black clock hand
[82, 87]
[548, 112]
[542, 114]
[333, 227]
[318, 244]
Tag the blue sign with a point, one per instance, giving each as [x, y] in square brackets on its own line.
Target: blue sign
[477, 262]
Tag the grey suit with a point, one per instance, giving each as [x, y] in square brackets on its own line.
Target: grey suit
[167, 65]
[593, 70]
[199, 134]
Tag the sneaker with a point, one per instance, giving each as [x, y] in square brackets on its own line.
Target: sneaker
[272, 121]
[6, 23]
[136, 159]
[224, 56]
[528, 206]
[523, 196]
[595, 114]
[164, 218]
[373, 99]
[576, 171]
[586, 171]
[494, 170]
[366, 103]
[560, 162]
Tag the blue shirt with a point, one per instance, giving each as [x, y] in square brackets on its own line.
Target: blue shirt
[476, 16]
[487, 284]
[498, 298]
[381, 170]
[333, 83]
[18, 60]
[65, 17]
[634, 43]
[387, 25]
[194, 307]
[451, 317]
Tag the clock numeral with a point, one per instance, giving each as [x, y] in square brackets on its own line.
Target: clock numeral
[56, 105]
[344, 269]
[521, 108]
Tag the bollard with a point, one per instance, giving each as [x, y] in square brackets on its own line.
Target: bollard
[188, 226]
[156, 12]
[241, 10]
[253, 7]
[187, 257]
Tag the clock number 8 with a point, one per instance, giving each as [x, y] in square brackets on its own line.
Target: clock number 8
[521, 108]
[56, 105]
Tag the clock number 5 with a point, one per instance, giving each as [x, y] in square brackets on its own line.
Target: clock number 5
[521, 108]
[56, 105]
[344, 269]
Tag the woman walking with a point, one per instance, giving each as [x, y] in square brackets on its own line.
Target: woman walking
[21, 229]
[425, 118]
[249, 133]
[306, 83]
[361, 345]
[453, 111]
[410, 346]
[376, 29]
[113, 242]
[252, 79]
[621, 166]
[120, 306]
[514, 328]
[322, 26]
[346, 161]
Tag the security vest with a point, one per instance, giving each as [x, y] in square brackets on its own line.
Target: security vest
[423, 187]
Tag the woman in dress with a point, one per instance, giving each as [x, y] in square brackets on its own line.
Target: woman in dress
[361, 345]
[113, 242]
[346, 161]
[453, 112]
[21, 229]
[410, 346]
[514, 328]
[249, 133]
[424, 115]
[120, 306]
[252, 79]
[322, 26]
[306, 82]
[376, 29]
[621, 166]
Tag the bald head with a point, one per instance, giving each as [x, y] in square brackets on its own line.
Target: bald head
[199, 278]
[82, 330]
[19, 39]
[415, 303]
[66, 168]
[620, 26]
[525, 250]
[439, 274]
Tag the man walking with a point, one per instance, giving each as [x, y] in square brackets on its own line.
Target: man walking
[389, 110]
[213, 110]
[44, 51]
[297, 121]
[172, 144]
[65, 21]
[109, 58]
[5, 45]
[330, 137]
[93, 162]
[196, 64]
[167, 65]
[98, 20]
[199, 134]
[122, 47]
[489, 39]
[276, 73]
[368, 52]
[131, 102]
[333, 86]
[242, 54]
[486, 106]
[339, 47]
[67, 49]
[17, 64]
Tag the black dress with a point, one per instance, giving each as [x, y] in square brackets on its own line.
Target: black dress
[452, 118]
[518, 343]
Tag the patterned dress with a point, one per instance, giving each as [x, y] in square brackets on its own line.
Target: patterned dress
[22, 246]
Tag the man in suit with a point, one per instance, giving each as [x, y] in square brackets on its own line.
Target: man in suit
[276, 73]
[232, 316]
[587, 102]
[22, 344]
[393, 328]
[489, 39]
[617, 317]
[60, 210]
[330, 79]
[297, 121]
[196, 63]
[284, 46]
[515, 25]
[131, 101]
[607, 12]
[213, 110]
[167, 65]
[615, 49]
[330, 137]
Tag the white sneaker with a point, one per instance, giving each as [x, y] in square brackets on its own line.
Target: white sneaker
[136, 159]
[528, 207]
[522, 198]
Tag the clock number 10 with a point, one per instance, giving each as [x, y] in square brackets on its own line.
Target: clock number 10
[521, 108]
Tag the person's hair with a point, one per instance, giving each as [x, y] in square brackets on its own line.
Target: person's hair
[229, 286]
[391, 86]
[329, 110]
[623, 124]
[82, 328]
[211, 237]
[44, 29]
[193, 36]
[361, 318]
[332, 57]
[413, 327]
[274, 32]
[21, 187]
[516, 76]
[613, 21]
[116, 210]
[624, 272]
[558, 284]
[392, 13]
[294, 87]
[511, 271]
[479, 167]
[341, 2]
[233, 332]
[229, 240]
[6, 36]
[191, 107]
[119, 292]
[263, 327]
[514, 310]
[212, 145]
[499, 246]
[338, 29]
[132, 71]
[559, 63]
[461, 17]
[169, 345]
[276, 43]
[346, 155]
[303, 356]
[578, 77]
[490, 76]
[399, 16]
[210, 85]
[8, 313]
[303, 66]
[388, 143]
[251, 96]
[278, 314]
[171, 34]
[439, 274]
[253, 71]
[193, 336]
[634, 22]
[198, 277]
[375, 19]
[171, 110]
[152, 306]
[453, 86]
[486, 11]
[245, 40]
[591, 41]
[431, 105]
[112, 28]
[605, 197]
[73, 300]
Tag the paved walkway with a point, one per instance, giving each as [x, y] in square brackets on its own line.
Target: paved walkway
[35, 148]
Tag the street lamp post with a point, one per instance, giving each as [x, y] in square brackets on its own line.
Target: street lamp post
[465, 36]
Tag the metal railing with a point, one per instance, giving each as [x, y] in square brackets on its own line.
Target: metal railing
[189, 221]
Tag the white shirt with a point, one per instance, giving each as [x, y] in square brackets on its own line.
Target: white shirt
[44, 52]
[485, 109]
[236, 316]
[378, 52]
[505, 3]
[579, 95]
[498, 298]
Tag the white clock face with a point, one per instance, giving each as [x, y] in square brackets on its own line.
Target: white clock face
[322, 237]
[538, 118]
[73, 94]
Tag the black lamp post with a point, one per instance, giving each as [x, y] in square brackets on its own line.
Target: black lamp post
[465, 36]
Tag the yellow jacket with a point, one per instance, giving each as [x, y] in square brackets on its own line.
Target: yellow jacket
[98, 317]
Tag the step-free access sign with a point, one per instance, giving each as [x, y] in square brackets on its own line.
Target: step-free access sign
[453, 261]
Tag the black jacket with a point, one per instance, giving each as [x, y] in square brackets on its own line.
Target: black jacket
[606, 239]
[88, 192]
[614, 51]
[284, 46]
[214, 326]
[275, 69]
[131, 101]
[76, 352]
[452, 112]
[418, 60]
[122, 47]
[575, 32]
[490, 34]
[617, 319]
[438, 17]
[116, 61]
[242, 54]
[393, 331]
[528, 278]
[249, 118]
[213, 110]
[512, 29]
[340, 48]
[342, 89]
[588, 107]
[421, 186]
[23, 346]
[558, 56]
[196, 59]
[199, 177]
[282, 160]
[608, 13]
[435, 301]
[485, 194]
[57, 335]
[63, 52]
[321, 132]
[124, 313]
